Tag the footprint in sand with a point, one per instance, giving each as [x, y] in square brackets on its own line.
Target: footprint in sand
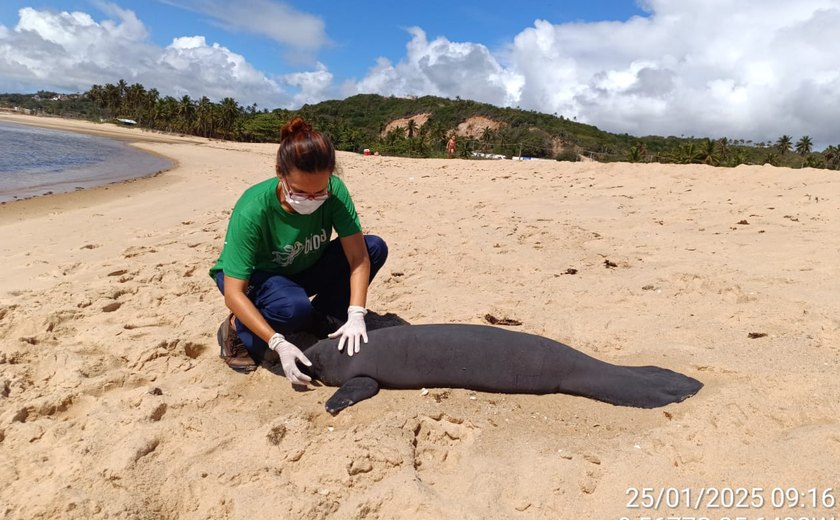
[68, 269]
[193, 350]
[590, 482]
[438, 443]
[123, 274]
[111, 307]
[133, 251]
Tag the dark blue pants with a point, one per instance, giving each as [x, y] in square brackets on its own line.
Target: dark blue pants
[284, 300]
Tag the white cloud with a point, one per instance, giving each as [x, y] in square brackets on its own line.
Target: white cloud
[443, 68]
[694, 67]
[751, 69]
[191, 66]
[276, 20]
[70, 51]
[52, 49]
[313, 86]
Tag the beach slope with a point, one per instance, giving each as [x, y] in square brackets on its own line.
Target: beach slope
[114, 403]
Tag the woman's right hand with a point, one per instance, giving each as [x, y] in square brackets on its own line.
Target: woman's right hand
[289, 356]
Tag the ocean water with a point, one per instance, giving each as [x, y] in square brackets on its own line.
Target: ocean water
[37, 161]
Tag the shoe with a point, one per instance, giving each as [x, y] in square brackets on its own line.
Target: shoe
[232, 350]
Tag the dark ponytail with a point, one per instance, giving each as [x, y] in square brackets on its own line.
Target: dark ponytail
[304, 149]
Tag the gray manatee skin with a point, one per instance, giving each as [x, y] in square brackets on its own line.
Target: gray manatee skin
[488, 359]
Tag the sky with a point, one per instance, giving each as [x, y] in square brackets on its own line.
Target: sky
[743, 69]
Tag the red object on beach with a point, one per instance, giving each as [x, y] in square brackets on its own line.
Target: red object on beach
[367, 151]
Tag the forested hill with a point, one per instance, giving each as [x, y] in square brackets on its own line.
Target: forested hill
[418, 127]
[430, 120]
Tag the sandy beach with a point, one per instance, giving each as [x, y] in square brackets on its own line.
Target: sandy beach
[115, 404]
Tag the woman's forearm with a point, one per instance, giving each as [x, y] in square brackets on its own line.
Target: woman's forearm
[359, 281]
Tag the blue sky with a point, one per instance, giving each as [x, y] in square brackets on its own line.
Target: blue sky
[354, 36]
[751, 69]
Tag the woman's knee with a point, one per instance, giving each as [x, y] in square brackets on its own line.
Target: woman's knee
[283, 304]
[287, 315]
[377, 251]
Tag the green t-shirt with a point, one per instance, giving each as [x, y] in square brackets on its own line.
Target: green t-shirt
[263, 236]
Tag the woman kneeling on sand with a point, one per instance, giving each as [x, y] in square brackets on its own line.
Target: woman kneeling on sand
[278, 253]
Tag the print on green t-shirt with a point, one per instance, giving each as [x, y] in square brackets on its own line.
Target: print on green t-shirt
[263, 236]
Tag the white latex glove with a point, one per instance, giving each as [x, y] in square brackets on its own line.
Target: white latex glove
[289, 355]
[353, 331]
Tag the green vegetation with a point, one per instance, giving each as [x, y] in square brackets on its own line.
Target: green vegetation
[362, 121]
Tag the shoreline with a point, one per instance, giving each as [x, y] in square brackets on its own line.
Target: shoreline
[138, 139]
[132, 208]
[110, 130]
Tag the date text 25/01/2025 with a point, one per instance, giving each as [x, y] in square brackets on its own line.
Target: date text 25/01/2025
[739, 498]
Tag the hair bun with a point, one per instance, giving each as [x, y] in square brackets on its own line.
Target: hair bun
[303, 149]
[294, 127]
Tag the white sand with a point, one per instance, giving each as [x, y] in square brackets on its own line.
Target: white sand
[114, 404]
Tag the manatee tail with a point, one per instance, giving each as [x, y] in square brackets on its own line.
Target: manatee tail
[640, 387]
[351, 392]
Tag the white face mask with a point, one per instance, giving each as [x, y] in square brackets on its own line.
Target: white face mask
[303, 204]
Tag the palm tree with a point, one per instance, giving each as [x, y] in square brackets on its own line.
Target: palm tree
[466, 148]
[772, 159]
[228, 114]
[204, 117]
[438, 135]
[95, 92]
[832, 157]
[803, 147]
[122, 88]
[412, 130]
[723, 148]
[186, 113]
[686, 154]
[736, 157]
[394, 140]
[424, 140]
[487, 138]
[352, 139]
[111, 98]
[709, 153]
[814, 161]
[150, 106]
[97, 95]
[637, 153]
[784, 143]
[134, 96]
[167, 113]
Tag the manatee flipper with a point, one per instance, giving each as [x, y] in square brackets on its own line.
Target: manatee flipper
[351, 392]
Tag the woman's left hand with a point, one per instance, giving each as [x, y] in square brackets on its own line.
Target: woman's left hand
[352, 332]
